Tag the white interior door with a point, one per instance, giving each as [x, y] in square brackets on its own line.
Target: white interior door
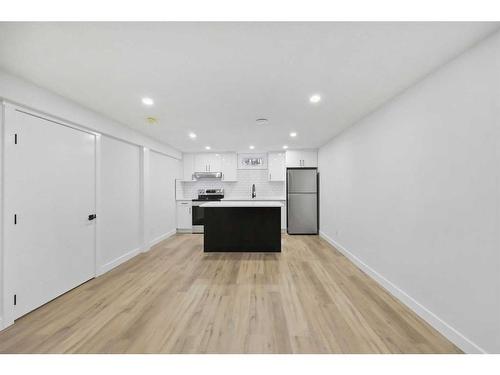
[49, 195]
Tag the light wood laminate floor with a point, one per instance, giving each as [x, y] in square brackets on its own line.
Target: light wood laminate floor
[176, 299]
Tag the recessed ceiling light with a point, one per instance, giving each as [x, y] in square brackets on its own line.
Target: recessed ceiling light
[285, 147]
[148, 101]
[262, 121]
[293, 134]
[192, 135]
[315, 98]
[251, 147]
[207, 147]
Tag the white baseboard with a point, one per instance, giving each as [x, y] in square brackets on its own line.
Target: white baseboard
[445, 329]
[161, 238]
[5, 324]
[116, 262]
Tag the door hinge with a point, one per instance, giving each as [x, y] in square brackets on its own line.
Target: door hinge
[15, 139]
[15, 219]
[15, 299]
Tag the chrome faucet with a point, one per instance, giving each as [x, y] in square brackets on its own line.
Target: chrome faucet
[254, 194]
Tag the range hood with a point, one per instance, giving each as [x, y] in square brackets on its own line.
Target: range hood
[199, 175]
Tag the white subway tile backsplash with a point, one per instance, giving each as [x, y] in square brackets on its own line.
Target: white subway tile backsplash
[241, 188]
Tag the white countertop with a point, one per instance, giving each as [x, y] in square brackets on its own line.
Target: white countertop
[252, 203]
[228, 199]
[254, 199]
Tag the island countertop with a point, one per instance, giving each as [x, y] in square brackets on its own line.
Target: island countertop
[272, 198]
[242, 204]
[242, 226]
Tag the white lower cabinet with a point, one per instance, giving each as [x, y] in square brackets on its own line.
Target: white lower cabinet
[184, 215]
[283, 215]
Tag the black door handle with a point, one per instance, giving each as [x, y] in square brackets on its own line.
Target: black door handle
[92, 217]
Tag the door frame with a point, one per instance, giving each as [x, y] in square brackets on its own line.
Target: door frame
[8, 282]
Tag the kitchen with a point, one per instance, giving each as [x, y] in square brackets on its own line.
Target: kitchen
[247, 177]
[249, 187]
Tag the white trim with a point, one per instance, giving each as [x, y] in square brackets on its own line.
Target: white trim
[7, 311]
[145, 204]
[116, 262]
[123, 258]
[97, 197]
[161, 238]
[444, 328]
[7, 276]
[5, 324]
[2, 257]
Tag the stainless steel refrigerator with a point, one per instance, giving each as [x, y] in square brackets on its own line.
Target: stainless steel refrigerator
[302, 200]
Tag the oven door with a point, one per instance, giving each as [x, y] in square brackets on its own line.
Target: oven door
[198, 218]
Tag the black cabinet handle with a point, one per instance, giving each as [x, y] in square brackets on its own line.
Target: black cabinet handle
[92, 217]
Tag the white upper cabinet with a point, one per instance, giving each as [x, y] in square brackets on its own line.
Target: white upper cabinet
[214, 162]
[276, 166]
[301, 158]
[207, 162]
[229, 165]
[200, 163]
[226, 163]
[188, 163]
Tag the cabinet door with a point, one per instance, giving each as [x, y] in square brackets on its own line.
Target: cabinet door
[310, 158]
[301, 158]
[214, 162]
[201, 163]
[184, 215]
[229, 165]
[293, 159]
[276, 166]
[188, 164]
[283, 216]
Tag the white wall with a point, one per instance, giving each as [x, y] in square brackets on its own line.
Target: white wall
[412, 194]
[1, 213]
[163, 170]
[239, 189]
[18, 91]
[123, 190]
[120, 214]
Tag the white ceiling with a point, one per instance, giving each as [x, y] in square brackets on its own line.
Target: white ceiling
[216, 79]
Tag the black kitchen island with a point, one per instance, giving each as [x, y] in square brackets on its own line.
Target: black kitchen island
[242, 226]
